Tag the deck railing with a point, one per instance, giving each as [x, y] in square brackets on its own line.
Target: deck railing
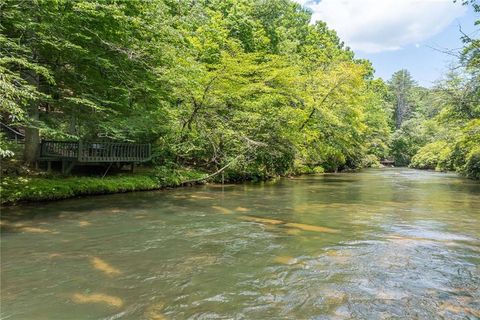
[12, 133]
[95, 151]
[113, 152]
[59, 149]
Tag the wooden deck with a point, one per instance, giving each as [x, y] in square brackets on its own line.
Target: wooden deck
[79, 152]
[387, 162]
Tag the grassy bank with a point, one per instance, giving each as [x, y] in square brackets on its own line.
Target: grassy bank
[40, 188]
[15, 189]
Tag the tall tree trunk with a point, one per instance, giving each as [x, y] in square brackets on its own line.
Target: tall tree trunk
[402, 99]
[399, 110]
[32, 136]
[72, 125]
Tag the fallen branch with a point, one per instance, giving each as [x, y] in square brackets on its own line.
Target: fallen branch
[254, 143]
[213, 174]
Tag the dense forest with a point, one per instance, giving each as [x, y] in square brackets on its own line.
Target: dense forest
[251, 85]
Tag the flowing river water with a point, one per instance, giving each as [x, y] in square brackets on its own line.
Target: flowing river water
[379, 243]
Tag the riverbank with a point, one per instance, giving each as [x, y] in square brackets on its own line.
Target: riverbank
[17, 189]
[43, 188]
[20, 189]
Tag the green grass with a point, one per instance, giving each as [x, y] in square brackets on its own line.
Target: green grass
[17, 189]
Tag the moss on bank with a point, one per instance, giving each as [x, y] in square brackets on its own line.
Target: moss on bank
[17, 189]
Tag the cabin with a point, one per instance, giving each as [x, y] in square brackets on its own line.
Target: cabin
[72, 153]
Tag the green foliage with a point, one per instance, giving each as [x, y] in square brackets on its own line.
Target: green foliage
[406, 141]
[465, 153]
[471, 51]
[371, 161]
[6, 147]
[291, 93]
[472, 165]
[86, 65]
[436, 156]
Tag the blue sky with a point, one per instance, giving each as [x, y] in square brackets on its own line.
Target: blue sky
[396, 34]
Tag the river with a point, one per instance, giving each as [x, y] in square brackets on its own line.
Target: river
[379, 243]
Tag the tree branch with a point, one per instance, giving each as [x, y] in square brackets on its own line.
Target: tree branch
[321, 102]
[213, 174]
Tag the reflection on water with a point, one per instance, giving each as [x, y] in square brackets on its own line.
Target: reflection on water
[376, 244]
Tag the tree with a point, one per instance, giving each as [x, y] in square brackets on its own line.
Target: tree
[401, 85]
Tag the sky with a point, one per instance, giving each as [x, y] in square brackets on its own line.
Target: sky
[399, 34]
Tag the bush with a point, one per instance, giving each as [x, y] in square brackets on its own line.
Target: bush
[472, 167]
[436, 156]
[299, 168]
[318, 169]
[467, 148]
[370, 161]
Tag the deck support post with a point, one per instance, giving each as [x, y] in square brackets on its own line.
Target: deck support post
[67, 166]
[49, 166]
[70, 167]
[132, 167]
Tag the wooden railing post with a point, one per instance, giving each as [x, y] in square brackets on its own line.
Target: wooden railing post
[80, 151]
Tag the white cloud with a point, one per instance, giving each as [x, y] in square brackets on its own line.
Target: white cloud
[382, 25]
